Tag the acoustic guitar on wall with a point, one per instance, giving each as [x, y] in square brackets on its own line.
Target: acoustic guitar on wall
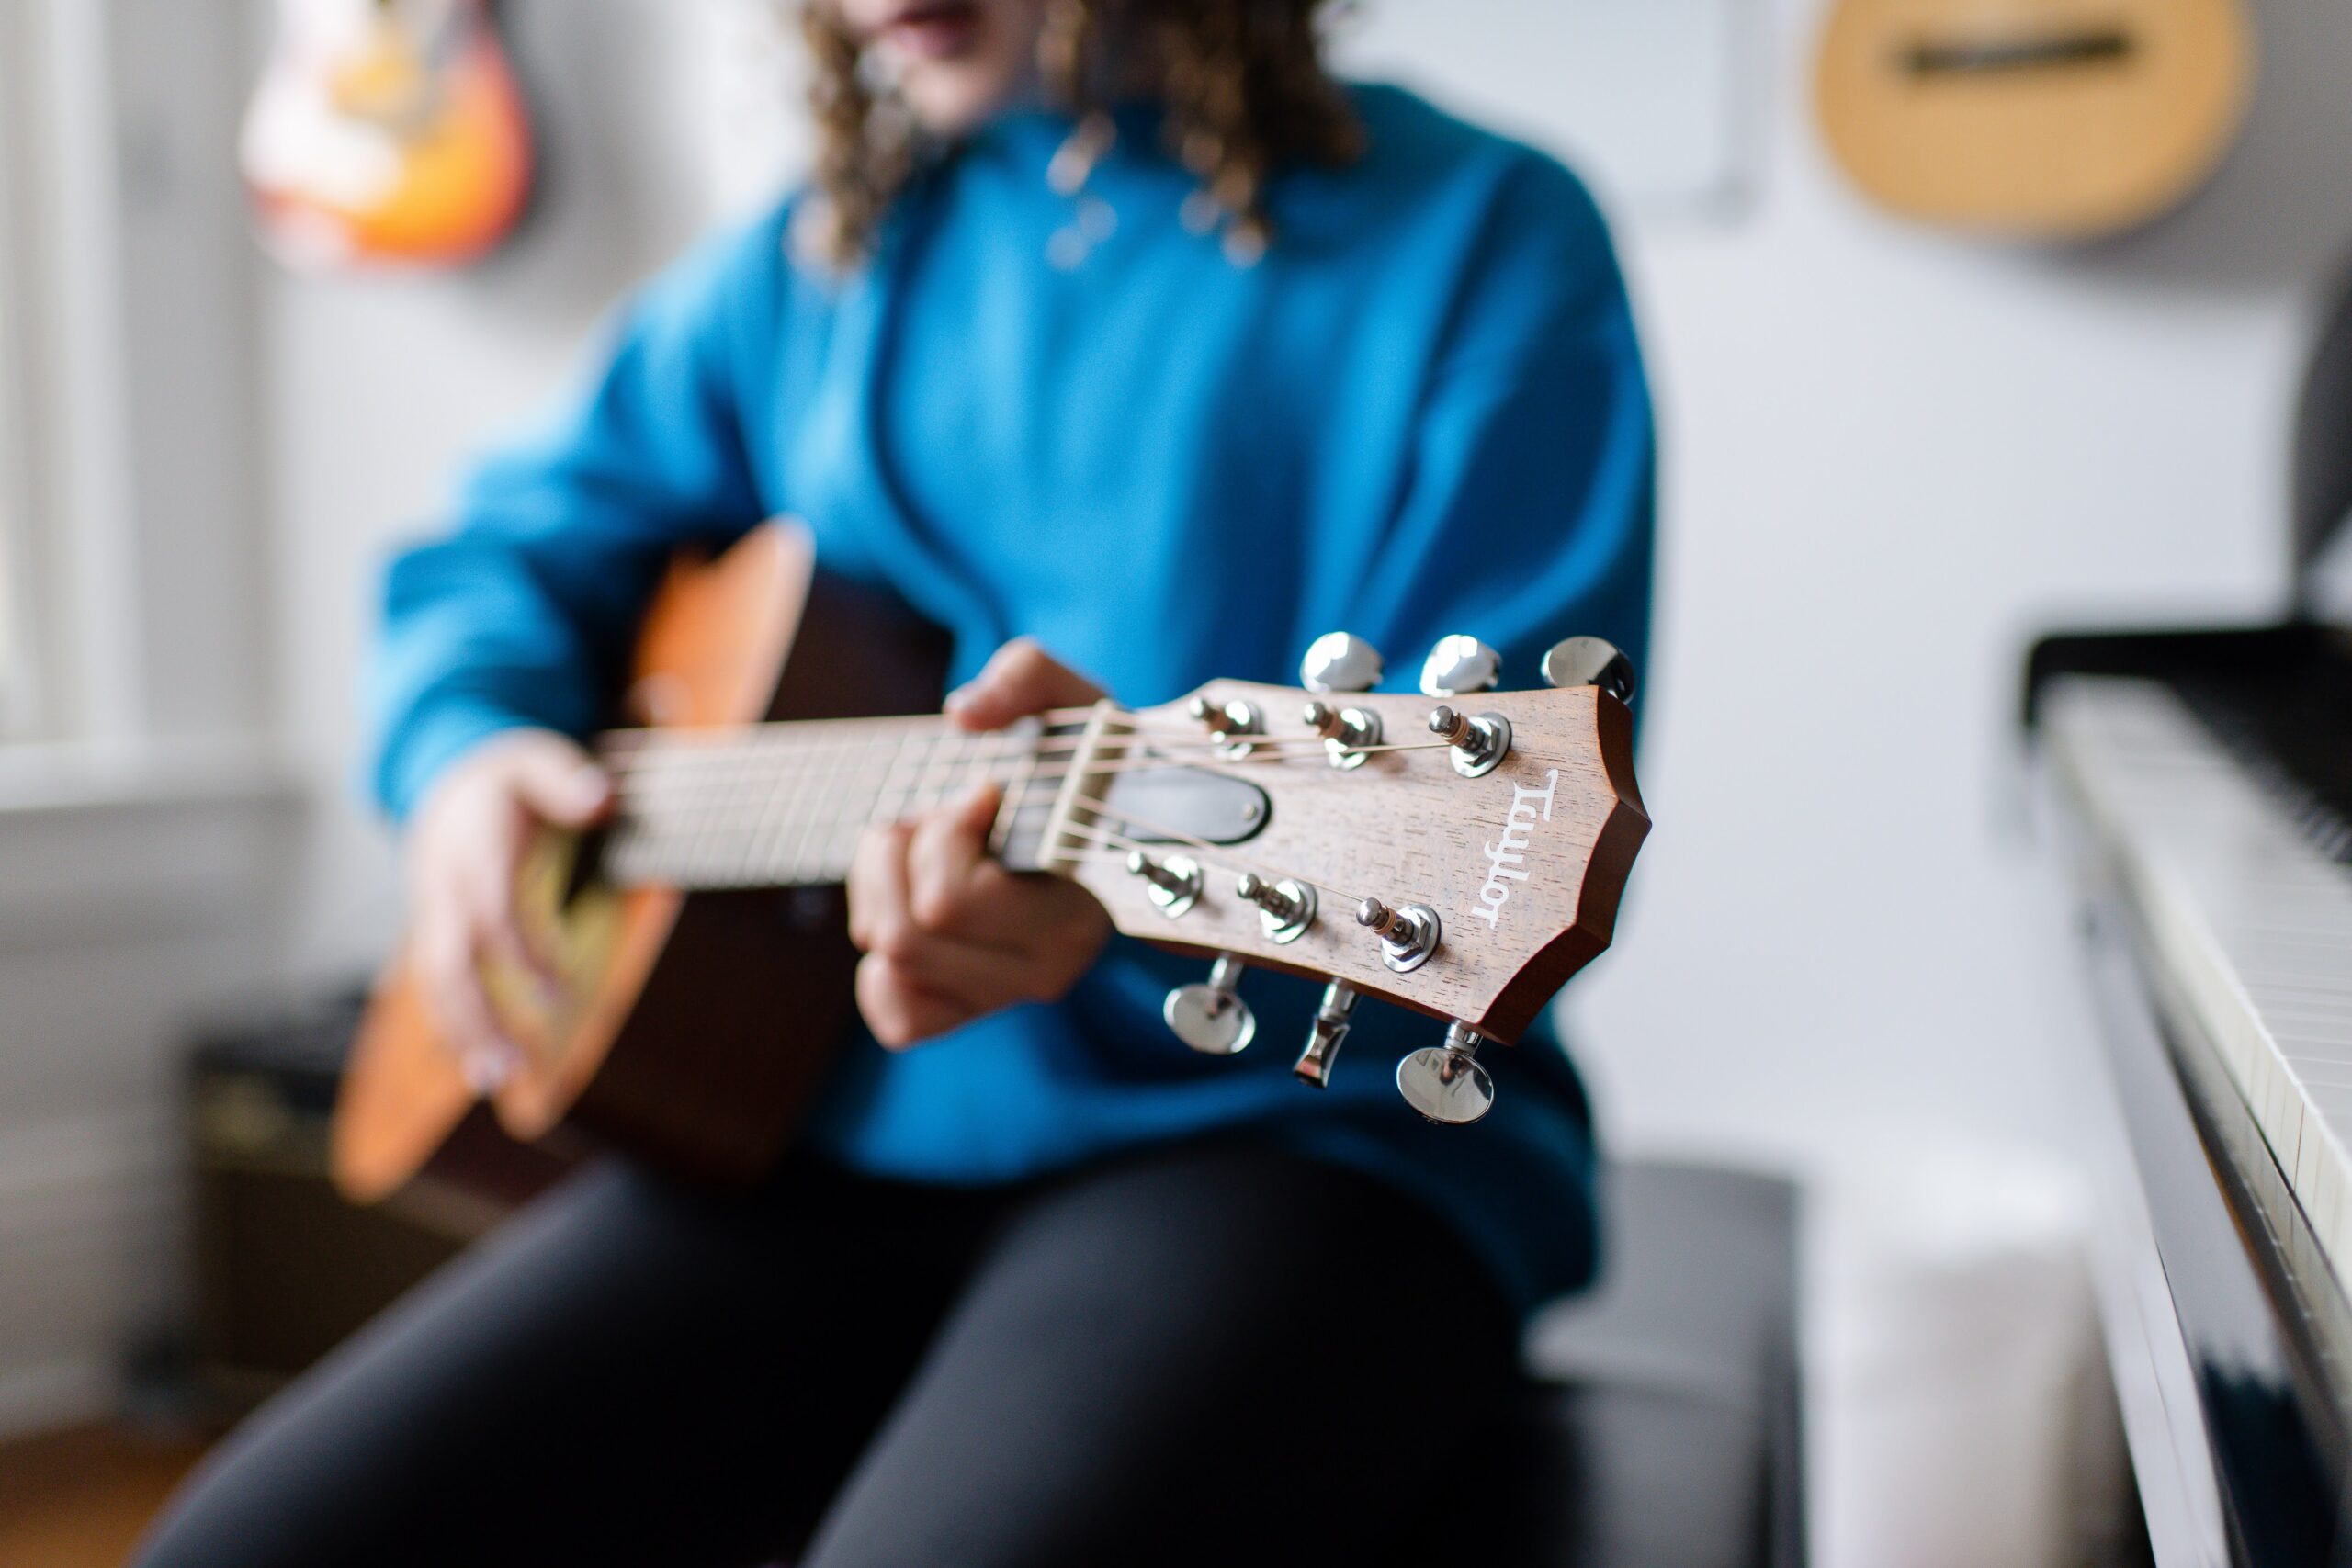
[387, 132]
[2039, 119]
[1460, 852]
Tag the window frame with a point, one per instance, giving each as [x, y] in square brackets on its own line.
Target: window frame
[23, 694]
[137, 557]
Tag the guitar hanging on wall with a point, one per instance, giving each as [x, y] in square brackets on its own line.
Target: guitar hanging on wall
[1461, 852]
[389, 133]
[2038, 118]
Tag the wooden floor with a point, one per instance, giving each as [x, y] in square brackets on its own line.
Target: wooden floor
[79, 1499]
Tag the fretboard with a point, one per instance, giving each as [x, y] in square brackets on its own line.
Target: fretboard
[783, 804]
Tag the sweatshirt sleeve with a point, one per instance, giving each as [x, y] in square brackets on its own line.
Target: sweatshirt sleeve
[523, 613]
[1530, 514]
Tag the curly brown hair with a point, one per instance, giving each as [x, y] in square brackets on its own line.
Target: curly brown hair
[1243, 82]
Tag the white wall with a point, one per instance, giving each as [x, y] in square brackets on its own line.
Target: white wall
[1888, 454]
[378, 387]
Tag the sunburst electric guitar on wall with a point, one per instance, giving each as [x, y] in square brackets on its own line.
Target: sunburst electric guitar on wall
[2040, 118]
[389, 133]
[1461, 853]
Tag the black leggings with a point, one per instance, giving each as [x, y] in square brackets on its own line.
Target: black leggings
[1216, 1353]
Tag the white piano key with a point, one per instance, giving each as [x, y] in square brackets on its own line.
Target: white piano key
[2251, 923]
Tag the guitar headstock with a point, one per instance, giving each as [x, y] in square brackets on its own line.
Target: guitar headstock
[1461, 852]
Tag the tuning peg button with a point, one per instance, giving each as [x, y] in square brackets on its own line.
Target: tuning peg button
[1445, 1083]
[1210, 1016]
[1589, 662]
[1458, 666]
[1339, 661]
[1314, 1063]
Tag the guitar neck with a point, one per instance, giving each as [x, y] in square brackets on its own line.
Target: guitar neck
[783, 804]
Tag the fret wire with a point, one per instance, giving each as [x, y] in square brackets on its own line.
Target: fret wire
[829, 850]
[743, 836]
[1010, 806]
[828, 832]
[767, 838]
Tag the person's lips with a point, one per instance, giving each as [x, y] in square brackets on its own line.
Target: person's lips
[933, 30]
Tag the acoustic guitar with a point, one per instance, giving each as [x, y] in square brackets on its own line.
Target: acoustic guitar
[386, 131]
[2045, 118]
[1461, 852]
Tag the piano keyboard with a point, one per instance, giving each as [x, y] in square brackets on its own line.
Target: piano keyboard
[2248, 915]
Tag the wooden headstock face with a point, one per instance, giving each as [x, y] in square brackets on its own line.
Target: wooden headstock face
[1522, 865]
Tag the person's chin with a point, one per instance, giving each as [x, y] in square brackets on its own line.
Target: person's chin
[947, 106]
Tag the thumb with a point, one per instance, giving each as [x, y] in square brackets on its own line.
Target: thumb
[560, 785]
[1019, 679]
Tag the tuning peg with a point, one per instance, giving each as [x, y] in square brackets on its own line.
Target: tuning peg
[1314, 1063]
[1345, 731]
[1210, 1015]
[1460, 665]
[1339, 661]
[1175, 882]
[1285, 908]
[1479, 740]
[1589, 662]
[1407, 934]
[1229, 723]
[1445, 1083]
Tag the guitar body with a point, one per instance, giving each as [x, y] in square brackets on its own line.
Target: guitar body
[2050, 118]
[694, 1027]
[388, 133]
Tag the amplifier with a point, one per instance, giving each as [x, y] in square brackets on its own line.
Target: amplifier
[284, 1268]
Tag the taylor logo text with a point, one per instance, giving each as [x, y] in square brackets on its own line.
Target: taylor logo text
[1507, 858]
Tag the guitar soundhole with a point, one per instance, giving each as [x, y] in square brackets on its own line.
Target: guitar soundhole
[2004, 56]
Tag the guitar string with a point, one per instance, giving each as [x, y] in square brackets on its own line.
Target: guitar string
[714, 769]
[621, 746]
[946, 756]
[1203, 847]
[715, 819]
[698, 795]
[792, 770]
[1103, 808]
[714, 755]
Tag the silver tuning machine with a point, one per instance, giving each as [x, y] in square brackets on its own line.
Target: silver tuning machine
[1479, 742]
[1339, 661]
[1175, 882]
[1458, 666]
[1589, 662]
[1445, 1083]
[1231, 723]
[1331, 1016]
[1210, 1016]
[1285, 908]
[1408, 933]
[1345, 731]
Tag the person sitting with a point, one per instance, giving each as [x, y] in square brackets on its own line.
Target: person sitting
[1116, 336]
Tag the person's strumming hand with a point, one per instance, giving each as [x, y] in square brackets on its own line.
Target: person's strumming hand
[949, 934]
[463, 851]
